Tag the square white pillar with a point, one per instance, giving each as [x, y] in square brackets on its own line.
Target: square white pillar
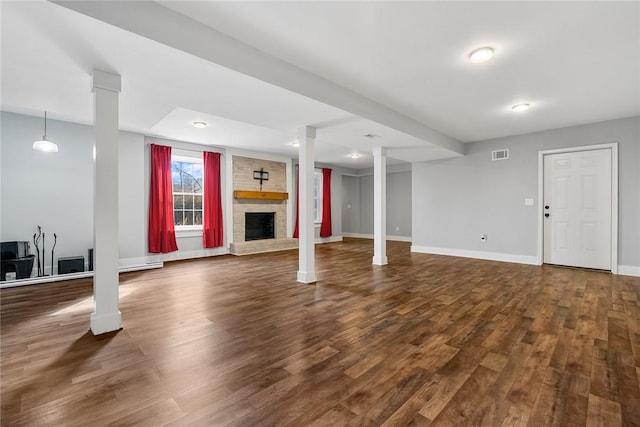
[306, 244]
[106, 311]
[379, 206]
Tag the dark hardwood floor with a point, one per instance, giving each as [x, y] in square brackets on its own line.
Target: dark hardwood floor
[426, 340]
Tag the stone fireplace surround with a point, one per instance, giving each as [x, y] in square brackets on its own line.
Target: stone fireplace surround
[243, 168]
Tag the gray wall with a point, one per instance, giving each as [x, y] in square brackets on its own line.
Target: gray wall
[350, 204]
[457, 200]
[189, 242]
[366, 205]
[336, 200]
[132, 198]
[54, 190]
[398, 202]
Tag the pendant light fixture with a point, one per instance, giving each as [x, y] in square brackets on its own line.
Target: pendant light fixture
[44, 144]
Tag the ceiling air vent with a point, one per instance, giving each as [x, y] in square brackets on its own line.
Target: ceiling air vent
[500, 154]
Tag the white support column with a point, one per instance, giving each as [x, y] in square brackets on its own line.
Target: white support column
[379, 206]
[306, 260]
[106, 312]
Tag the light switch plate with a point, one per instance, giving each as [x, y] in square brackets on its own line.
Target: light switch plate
[528, 202]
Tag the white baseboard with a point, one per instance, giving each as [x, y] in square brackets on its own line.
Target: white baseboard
[140, 267]
[181, 255]
[104, 323]
[307, 277]
[328, 239]
[370, 236]
[358, 235]
[126, 265]
[132, 262]
[629, 270]
[491, 256]
[400, 238]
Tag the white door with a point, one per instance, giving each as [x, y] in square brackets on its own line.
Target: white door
[577, 209]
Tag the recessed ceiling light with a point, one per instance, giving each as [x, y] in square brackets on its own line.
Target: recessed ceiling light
[200, 125]
[295, 144]
[354, 155]
[521, 107]
[481, 55]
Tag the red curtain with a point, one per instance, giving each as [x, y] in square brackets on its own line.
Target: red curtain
[325, 227]
[212, 230]
[162, 234]
[296, 228]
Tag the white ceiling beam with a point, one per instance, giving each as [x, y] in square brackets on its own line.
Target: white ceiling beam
[156, 22]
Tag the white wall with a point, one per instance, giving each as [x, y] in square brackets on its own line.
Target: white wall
[457, 200]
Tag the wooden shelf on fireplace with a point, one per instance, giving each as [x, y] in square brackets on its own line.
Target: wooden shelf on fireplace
[260, 195]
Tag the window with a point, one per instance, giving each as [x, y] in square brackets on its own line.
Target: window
[317, 197]
[187, 179]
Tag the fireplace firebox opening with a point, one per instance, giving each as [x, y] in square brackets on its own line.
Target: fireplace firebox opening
[259, 225]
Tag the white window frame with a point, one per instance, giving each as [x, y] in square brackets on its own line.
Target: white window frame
[196, 160]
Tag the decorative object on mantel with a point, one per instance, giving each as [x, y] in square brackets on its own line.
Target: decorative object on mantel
[44, 144]
[261, 175]
[260, 195]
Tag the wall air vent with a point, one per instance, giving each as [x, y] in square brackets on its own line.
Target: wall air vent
[500, 154]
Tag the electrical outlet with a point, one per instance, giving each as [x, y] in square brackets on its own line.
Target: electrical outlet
[483, 237]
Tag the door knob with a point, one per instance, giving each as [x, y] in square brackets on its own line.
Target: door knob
[546, 207]
[546, 215]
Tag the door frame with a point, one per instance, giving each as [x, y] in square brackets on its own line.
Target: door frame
[613, 146]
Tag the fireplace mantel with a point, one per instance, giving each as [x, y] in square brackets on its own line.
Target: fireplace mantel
[260, 195]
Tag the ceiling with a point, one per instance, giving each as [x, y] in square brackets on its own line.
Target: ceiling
[397, 70]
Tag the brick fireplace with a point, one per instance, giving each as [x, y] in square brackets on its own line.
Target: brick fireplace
[243, 181]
